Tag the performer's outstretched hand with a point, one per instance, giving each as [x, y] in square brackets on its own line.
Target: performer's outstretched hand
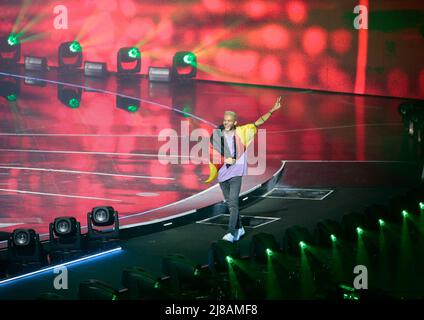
[265, 117]
[277, 104]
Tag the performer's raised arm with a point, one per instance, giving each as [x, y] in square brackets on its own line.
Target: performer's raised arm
[266, 116]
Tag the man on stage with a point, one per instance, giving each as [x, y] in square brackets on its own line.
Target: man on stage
[229, 143]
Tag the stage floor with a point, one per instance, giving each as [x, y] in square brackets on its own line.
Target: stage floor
[58, 160]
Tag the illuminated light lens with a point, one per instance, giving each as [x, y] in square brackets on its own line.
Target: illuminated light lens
[11, 97]
[73, 103]
[157, 285]
[75, 46]
[134, 53]
[381, 222]
[421, 205]
[12, 40]
[333, 238]
[359, 230]
[302, 244]
[63, 226]
[229, 259]
[101, 216]
[132, 108]
[188, 58]
[196, 272]
[405, 213]
[22, 238]
[269, 252]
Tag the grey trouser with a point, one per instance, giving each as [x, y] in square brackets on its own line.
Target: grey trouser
[231, 191]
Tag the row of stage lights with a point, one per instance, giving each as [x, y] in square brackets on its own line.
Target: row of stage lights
[184, 63]
[227, 270]
[26, 253]
[271, 270]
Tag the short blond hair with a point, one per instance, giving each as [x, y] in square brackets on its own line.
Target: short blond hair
[231, 113]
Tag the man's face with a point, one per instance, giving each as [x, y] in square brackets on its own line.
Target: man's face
[229, 122]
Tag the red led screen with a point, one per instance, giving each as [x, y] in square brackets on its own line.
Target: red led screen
[294, 43]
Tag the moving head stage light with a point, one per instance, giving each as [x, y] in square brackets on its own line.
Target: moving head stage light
[128, 61]
[103, 224]
[65, 238]
[10, 49]
[70, 56]
[184, 65]
[24, 251]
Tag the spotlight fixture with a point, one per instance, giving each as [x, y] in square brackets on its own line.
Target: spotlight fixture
[218, 255]
[93, 289]
[353, 225]
[296, 239]
[184, 65]
[24, 251]
[184, 274]
[69, 96]
[10, 49]
[262, 246]
[95, 69]
[142, 285]
[128, 61]
[103, 218]
[70, 56]
[65, 238]
[327, 233]
[373, 214]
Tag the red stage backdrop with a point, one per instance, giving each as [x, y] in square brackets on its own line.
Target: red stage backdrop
[294, 43]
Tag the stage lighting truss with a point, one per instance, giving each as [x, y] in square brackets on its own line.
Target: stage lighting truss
[9, 88]
[128, 61]
[184, 65]
[69, 96]
[103, 224]
[70, 56]
[10, 49]
[65, 235]
[24, 251]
